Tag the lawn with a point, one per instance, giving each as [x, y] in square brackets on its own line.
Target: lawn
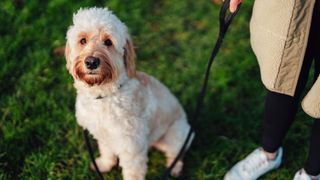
[39, 136]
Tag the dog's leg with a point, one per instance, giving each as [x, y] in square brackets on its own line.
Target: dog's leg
[133, 161]
[172, 142]
[106, 160]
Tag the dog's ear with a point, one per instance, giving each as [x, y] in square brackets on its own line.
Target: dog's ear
[129, 58]
[67, 56]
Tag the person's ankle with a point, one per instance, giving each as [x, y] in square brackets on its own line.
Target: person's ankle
[270, 156]
[311, 176]
[314, 177]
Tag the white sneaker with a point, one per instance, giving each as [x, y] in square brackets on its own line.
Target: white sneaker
[302, 175]
[253, 166]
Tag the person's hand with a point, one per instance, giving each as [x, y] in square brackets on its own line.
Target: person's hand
[234, 4]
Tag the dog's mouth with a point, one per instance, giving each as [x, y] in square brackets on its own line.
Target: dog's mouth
[90, 73]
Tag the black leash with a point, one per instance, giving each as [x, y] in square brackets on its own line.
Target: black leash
[225, 19]
[91, 154]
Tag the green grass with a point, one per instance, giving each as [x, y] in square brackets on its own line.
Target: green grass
[39, 136]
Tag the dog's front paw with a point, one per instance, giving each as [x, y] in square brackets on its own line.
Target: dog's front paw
[104, 165]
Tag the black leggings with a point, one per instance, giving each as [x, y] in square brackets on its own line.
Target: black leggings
[280, 109]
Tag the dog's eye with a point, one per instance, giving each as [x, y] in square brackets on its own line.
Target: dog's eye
[83, 41]
[108, 42]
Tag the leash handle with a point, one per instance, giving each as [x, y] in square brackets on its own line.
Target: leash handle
[225, 19]
[225, 16]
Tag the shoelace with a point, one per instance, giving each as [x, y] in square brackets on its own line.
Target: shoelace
[303, 176]
[255, 162]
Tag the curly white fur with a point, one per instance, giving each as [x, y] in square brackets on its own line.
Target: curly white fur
[128, 113]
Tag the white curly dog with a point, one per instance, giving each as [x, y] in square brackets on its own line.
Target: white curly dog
[126, 111]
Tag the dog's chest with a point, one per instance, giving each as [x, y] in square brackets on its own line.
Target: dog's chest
[110, 116]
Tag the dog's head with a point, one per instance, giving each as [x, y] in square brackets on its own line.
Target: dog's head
[99, 48]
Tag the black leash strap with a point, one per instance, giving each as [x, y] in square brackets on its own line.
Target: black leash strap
[225, 19]
[91, 154]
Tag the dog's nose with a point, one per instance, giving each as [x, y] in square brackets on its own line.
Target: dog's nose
[92, 62]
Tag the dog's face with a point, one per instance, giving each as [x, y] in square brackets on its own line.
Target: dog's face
[98, 48]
